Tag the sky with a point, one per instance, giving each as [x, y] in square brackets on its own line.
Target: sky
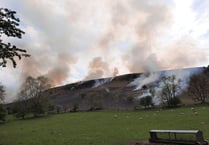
[77, 40]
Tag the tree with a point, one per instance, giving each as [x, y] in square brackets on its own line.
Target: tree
[3, 111]
[95, 102]
[2, 93]
[199, 87]
[22, 105]
[146, 101]
[170, 89]
[39, 102]
[32, 95]
[9, 27]
[75, 107]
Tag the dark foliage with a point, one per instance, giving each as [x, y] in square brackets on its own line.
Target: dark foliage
[199, 87]
[9, 27]
[170, 90]
[75, 107]
[146, 101]
[2, 93]
[174, 102]
[3, 113]
[21, 108]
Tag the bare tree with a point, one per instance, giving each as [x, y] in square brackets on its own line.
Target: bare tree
[40, 102]
[199, 87]
[32, 95]
[169, 91]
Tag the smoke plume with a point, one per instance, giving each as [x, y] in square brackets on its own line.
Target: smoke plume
[70, 40]
[62, 68]
[97, 68]
[50, 55]
[153, 20]
[116, 72]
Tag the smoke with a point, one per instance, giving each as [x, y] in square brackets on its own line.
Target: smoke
[147, 23]
[97, 68]
[154, 19]
[61, 69]
[154, 82]
[102, 26]
[183, 75]
[101, 82]
[140, 21]
[50, 45]
[145, 79]
[116, 72]
[155, 99]
[183, 52]
[55, 67]
[155, 78]
[70, 40]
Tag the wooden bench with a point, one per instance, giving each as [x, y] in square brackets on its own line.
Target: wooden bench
[182, 137]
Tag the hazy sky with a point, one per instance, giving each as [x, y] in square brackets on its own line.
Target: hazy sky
[73, 40]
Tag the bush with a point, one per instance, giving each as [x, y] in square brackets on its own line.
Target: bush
[173, 102]
[75, 107]
[3, 113]
[130, 98]
[59, 109]
[39, 109]
[146, 101]
[20, 114]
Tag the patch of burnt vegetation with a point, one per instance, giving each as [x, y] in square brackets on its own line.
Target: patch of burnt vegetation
[80, 85]
[127, 77]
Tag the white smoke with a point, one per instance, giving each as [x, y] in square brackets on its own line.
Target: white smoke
[183, 75]
[65, 37]
[144, 79]
[107, 90]
[154, 79]
[145, 93]
[180, 74]
[101, 82]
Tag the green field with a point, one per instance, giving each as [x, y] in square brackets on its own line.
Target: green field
[101, 128]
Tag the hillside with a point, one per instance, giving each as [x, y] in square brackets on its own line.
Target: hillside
[120, 92]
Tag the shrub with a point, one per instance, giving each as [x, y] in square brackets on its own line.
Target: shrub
[146, 101]
[3, 113]
[130, 98]
[173, 102]
[75, 107]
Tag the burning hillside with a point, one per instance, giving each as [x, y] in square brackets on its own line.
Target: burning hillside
[121, 92]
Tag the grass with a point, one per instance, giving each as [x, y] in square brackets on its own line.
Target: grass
[101, 128]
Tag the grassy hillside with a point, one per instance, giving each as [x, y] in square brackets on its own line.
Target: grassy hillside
[101, 128]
